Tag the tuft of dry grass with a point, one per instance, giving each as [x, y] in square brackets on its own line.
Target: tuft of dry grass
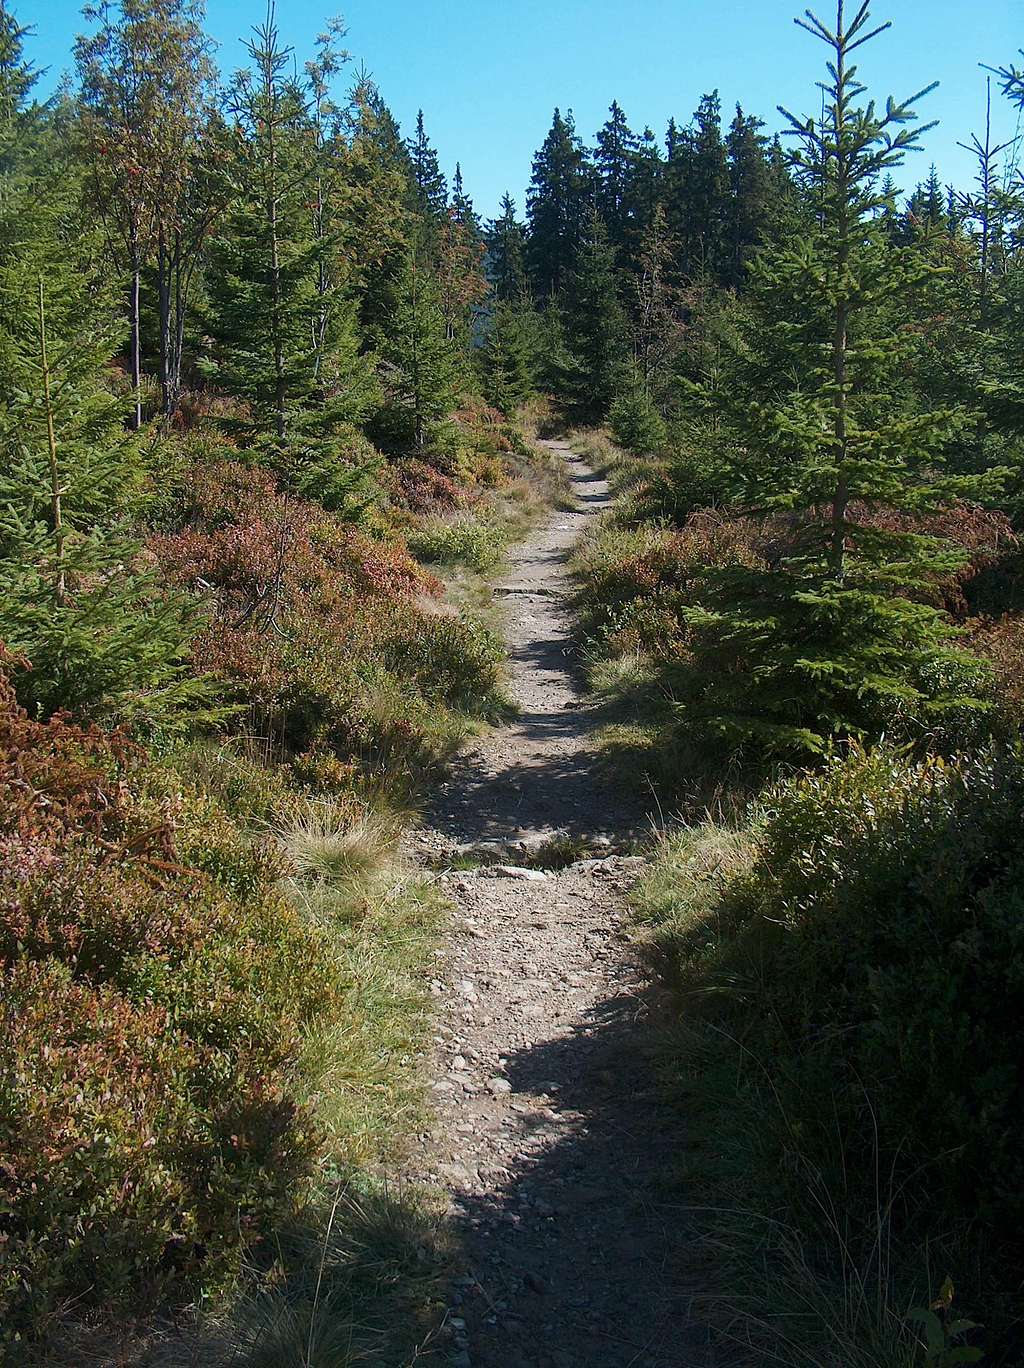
[335, 843]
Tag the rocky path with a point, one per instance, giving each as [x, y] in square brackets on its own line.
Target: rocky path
[549, 1138]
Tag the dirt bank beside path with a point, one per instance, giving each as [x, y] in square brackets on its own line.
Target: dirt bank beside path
[550, 1138]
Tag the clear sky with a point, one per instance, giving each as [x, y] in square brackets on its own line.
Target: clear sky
[487, 73]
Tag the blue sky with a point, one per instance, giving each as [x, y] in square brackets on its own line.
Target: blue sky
[488, 75]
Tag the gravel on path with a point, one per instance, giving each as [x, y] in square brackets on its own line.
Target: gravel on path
[550, 1138]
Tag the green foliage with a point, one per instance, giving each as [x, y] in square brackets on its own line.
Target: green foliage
[594, 329]
[103, 637]
[506, 252]
[283, 333]
[870, 953]
[636, 424]
[509, 359]
[421, 366]
[459, 542]
[784, 664]
[820, 424]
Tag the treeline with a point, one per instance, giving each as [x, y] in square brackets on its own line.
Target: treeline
[614, 237]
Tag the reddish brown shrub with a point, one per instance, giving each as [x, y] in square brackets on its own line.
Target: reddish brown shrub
[155, 989]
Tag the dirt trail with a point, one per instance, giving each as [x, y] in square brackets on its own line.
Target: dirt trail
[549, 1137]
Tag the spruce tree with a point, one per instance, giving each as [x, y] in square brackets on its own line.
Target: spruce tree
[657, 311]
[751, 185]
[707, 191]
[102, 639]
[430, 188]
[462, 210]
[556, 207]
[421, 365]
[506, 253]
[461, 283]
[595, 328]
[644, 197]
[378, 223]
[283, 333]
[508, 358]
[835, 639]
[613, 168]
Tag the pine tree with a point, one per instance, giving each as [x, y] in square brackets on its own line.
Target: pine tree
[506, 253]
[595, 328]
[556, 207]
[827, 642]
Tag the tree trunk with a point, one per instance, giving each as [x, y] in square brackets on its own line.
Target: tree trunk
[56, 492]
[164, 268]
[136, 345]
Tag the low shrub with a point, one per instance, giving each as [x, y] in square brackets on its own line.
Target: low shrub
[865, 939]
[631, 579]
[461, 541]
[315, 623]
[157, 990]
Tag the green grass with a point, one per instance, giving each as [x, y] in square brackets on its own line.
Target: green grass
[623, 471]
[459, 541]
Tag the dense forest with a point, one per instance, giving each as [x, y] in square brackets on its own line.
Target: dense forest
[272, 400]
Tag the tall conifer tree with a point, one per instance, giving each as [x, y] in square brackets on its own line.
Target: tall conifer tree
[613, 170]
[506, 253]
[828, 642]
[556, 206]
[595, 327]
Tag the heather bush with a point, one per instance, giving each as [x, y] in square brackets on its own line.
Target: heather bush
[632, 576]
[315, 623]
[158, 990]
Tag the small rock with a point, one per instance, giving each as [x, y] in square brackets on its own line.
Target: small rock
[462, 1360]
[517, 872]
[498, 1086]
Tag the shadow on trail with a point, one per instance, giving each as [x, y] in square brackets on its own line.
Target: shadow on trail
[610, 1266]
[575, 794]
